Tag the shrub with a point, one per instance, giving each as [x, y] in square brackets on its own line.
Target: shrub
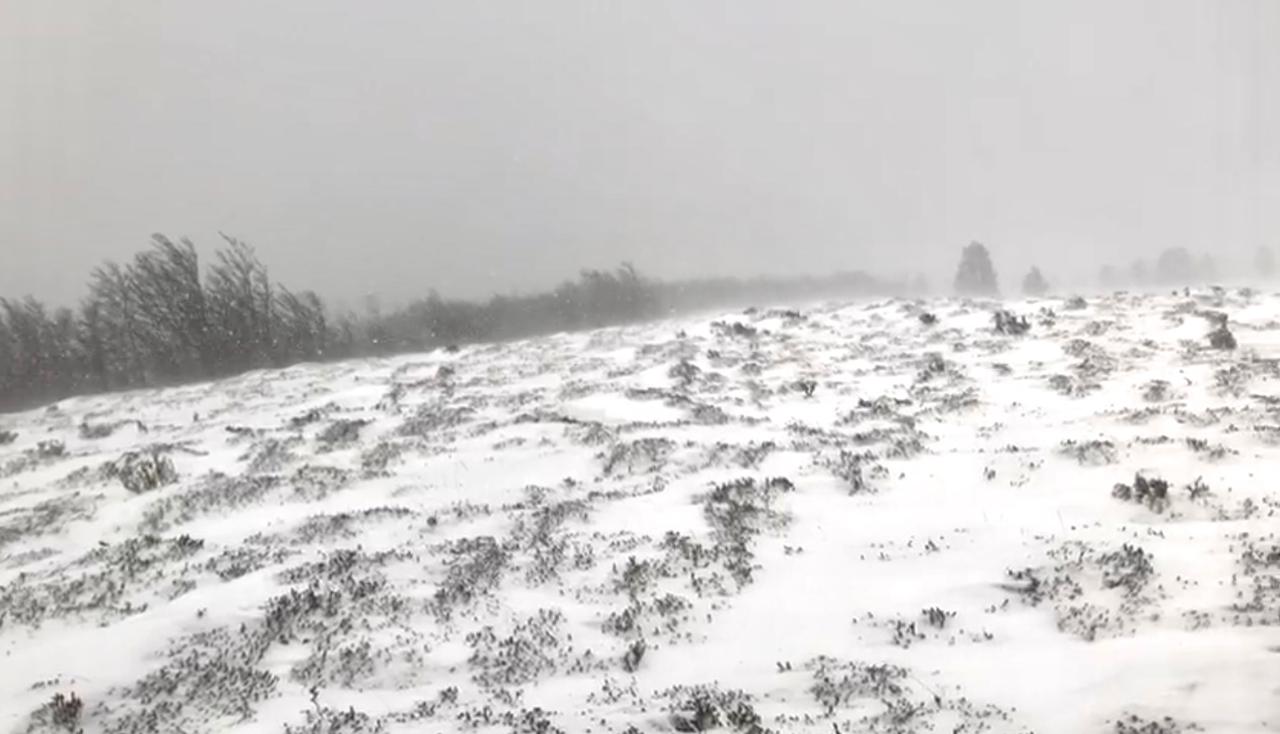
[1152, 492]
[635, 653]
[51, 449]
[61, 714]
[143, 471]
[341, 433]
[1222, 338]
[1010, 325]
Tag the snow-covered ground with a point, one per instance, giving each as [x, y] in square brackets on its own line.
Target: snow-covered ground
[659, 528]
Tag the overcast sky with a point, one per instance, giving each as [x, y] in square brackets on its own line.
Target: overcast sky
[473, 146]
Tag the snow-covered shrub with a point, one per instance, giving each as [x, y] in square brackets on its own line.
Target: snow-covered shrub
[1093, 452]
[737, 329]
[1134, 724]
[51, 449]
[60, 715]
[1009, 324]
[270, 455]
[534, 648]
[1156, 391]
[342, 432]
[708, 708]
[1222, 338]
[1152, 492]
[143, 471]
[642, 456]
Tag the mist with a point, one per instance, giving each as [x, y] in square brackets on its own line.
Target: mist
[475, 148]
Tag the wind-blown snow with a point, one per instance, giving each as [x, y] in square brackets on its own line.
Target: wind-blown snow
[845, 519]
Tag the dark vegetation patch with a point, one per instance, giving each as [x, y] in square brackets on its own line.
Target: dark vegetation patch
[1093, 452]
[45, 517]
[1093, 594]
[108, 583]
[1150, 492]
[214, 493]
[641, 456]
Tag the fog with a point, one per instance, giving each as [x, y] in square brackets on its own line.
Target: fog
[475, 147]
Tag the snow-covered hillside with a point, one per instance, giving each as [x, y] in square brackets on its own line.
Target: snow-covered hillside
[844, 519]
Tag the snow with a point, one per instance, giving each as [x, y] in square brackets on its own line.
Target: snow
[481, 522]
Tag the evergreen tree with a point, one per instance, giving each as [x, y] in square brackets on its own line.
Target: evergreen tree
[976, 276]
[1175, 267]
[1035, 284]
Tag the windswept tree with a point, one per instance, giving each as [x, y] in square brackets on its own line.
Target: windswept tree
[241, 307]
[1035, 284]
[302, 331]
[92, 344]
[976, 276]
[8, 361]
[118, 324]
[172, 305]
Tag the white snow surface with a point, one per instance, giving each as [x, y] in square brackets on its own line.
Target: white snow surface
[654, 528]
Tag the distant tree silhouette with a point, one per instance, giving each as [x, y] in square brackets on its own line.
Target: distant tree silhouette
[1107, 276]
[1034, 284]
[1264, 262]
[976, 276]
[1175, 266]
[1139, 272]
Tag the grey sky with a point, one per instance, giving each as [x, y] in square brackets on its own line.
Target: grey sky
[475, 146]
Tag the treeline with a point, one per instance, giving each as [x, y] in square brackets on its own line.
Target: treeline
[159, 319]
[165, 317]
[1178, 266]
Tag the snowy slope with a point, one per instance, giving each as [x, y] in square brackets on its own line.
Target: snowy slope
[656, 528]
